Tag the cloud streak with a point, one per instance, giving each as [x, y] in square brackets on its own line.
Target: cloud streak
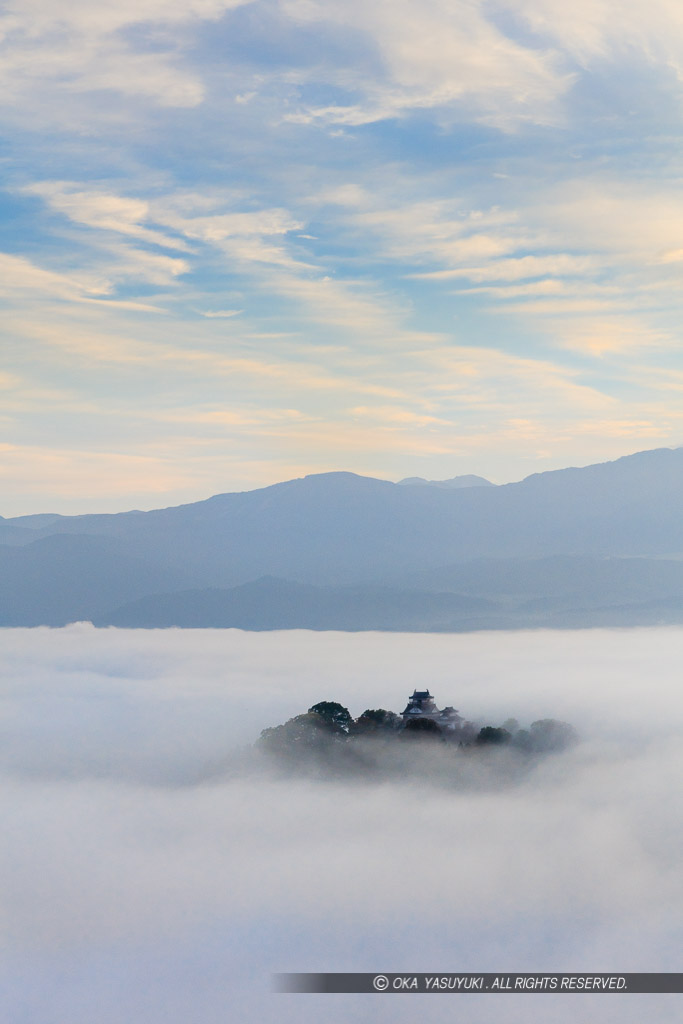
[364, 186]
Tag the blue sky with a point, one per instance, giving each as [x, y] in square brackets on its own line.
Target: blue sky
[242, 242]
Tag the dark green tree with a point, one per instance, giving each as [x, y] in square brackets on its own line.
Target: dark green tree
[490, 734]
[375, 722]
[337, 717]
[421, 728]
[300, 737]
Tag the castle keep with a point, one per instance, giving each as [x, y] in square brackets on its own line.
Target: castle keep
[421, 705]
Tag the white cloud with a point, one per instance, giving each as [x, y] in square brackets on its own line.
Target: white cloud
[221, 314]
[245, 236]
[96, 20]
[436, 54]
[611, 335]
[517, 269]
[20, 278]
[602, 29]
[18, 274]
[632, 222]
[82, 47]
[103, 210]
[479, 60]
[447, 232]
[51, 474]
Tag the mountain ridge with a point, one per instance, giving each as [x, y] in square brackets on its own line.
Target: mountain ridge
[342, 529]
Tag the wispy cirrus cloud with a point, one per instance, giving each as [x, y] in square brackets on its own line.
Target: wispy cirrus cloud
[104, 211]
[462, 218]
[435, 55]
[80, 48]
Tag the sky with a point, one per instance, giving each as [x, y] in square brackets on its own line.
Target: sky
[245, 241]
[149, 873]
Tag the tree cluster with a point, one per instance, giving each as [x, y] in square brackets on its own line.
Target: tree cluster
[327, 734]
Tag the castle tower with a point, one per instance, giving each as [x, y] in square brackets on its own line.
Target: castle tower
[449, 718]
[420, 705]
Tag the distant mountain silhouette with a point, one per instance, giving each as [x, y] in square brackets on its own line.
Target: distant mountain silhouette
[271, 603]
[570, 540]
[468, 480]
[62, 579]
[560, 580]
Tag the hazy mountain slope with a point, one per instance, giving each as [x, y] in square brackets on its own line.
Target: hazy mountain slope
[280, 604]
[271, 603]
[632, 506]
[63, 579]
[560, 579]
[468, 480]
[13, 533]
[331, 528]
[341, 528]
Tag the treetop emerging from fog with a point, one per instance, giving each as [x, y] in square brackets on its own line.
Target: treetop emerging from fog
[327, 739]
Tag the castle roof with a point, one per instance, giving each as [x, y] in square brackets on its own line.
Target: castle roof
[421, 703]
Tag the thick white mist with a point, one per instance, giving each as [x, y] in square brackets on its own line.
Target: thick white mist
[142, 883]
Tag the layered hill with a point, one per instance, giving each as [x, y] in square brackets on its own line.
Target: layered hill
[564, 542]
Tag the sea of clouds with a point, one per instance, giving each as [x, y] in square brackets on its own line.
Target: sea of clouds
[152, 873]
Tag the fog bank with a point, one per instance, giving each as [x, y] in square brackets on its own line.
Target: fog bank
[143, 882]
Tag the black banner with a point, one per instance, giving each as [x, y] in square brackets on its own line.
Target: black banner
[470, 983]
